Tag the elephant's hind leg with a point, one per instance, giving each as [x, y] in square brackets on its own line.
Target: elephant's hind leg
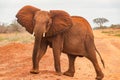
[70, 72]
[92, 57]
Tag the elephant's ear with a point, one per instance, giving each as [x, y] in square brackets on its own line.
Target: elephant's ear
[25, 17]
[61, 21]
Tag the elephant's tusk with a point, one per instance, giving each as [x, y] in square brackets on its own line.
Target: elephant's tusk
[33, 34]
[44, 34]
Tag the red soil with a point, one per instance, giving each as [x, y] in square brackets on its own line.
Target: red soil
[15, 62]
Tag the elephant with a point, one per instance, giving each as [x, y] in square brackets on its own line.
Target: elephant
[71, 35]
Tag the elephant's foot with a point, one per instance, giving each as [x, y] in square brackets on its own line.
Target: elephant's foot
[68, 73]
[100, 76]
[59, 73]
[34, 71]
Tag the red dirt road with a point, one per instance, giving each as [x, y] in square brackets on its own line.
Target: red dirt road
[15, 62]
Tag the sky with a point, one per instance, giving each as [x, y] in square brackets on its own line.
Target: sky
[89, 9]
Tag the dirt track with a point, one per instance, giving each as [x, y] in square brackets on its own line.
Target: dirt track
[15, 62]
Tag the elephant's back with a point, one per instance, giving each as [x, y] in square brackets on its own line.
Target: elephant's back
[82, 23]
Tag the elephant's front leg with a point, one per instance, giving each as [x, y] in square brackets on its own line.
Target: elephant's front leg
[37, 55]
[57, 65]
[70, 72]
[57, 48]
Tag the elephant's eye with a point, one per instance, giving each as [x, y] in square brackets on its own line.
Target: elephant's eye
[33, 21]
[47, 23]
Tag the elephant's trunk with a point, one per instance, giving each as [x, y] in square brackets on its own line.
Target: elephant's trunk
[38, 33]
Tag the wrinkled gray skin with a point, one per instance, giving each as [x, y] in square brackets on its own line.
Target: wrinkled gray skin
[78, 41]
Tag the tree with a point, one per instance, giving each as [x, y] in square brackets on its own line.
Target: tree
[15, 27]
[100, 21]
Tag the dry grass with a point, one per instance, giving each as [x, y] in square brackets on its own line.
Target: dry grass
[15, 38]
[112, 32]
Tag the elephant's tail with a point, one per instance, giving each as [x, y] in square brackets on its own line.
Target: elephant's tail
[100, 57]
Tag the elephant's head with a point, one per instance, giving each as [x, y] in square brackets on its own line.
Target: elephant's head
[25, 17]
[38, 21]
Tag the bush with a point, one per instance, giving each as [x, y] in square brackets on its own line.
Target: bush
[3, 29]
[13, 27]
[104, 27]
[115, 26]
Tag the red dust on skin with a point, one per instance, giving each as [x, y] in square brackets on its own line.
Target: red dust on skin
[15, 62]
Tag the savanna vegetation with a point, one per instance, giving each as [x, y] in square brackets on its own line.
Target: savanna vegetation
[13, 27]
